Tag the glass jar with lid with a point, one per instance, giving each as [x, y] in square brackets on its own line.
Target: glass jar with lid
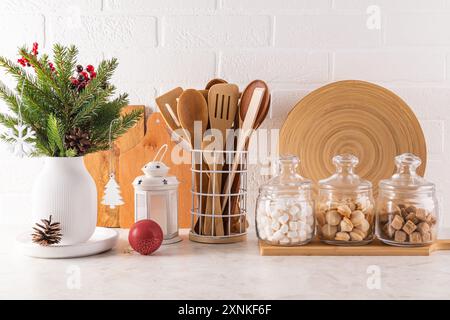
[345, 206]
[285, 207]
[407, 209]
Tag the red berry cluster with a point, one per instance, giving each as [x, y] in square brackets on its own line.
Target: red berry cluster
[34, 51]
[23, 61]
[83, 77]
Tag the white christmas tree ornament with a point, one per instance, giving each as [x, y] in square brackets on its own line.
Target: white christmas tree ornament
[112, 197]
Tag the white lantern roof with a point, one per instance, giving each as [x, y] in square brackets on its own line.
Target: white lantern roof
[155, 177]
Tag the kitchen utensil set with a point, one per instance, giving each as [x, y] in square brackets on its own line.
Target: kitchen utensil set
[221, 108]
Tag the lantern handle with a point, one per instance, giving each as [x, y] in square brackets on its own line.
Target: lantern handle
[165, 147]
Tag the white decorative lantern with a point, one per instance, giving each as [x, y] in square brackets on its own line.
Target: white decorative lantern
[156, 198]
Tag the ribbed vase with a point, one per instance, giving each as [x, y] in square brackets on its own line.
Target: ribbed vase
[65, 190]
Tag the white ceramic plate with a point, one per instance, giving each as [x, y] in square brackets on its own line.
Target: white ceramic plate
[102, 240]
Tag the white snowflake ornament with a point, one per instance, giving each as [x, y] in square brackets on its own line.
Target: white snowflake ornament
[20, 140]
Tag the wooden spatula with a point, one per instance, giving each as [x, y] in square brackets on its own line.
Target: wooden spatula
[167, 104]
[260, 117]
[245, 133]
[222, 107]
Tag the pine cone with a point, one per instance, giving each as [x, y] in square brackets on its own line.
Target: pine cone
[78, 140]
[47, 233]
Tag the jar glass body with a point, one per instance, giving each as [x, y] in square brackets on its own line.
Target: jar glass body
[407, 208]
[405, 219]
[345, 217]
[285, 208]
[345, 206]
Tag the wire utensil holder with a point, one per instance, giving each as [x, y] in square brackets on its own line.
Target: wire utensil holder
[234, 216]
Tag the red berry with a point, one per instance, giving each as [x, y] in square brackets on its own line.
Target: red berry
[74, 81]
[85, 75]
[90, 68]
[93, 74]
[35, 48]
[79, 68]
[24, 62]
[51, 66]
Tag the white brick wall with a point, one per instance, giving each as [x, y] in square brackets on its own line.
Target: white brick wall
[296, 45]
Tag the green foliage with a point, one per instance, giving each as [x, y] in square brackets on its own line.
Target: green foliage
[52, 107]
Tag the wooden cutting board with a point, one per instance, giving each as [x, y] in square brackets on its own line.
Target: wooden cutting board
[355, 117]
[376, 248]
[135, 158]
[98, 166]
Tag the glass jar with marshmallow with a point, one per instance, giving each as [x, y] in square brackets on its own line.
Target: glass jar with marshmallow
[285, 207]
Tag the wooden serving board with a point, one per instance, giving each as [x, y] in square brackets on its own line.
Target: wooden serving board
[356, 117]
[376, 248]
[98, 166]
[132, 161]
[131, 152]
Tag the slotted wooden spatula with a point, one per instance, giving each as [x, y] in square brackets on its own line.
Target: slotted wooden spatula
[222, 107]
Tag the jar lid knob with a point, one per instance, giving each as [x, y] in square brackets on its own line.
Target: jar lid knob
[346, 159]
[408, 159]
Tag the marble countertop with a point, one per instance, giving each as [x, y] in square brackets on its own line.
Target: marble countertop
[190, 270]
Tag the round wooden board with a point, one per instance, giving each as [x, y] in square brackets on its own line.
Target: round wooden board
[355, 117]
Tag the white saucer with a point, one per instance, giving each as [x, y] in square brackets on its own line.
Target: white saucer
[102, 240]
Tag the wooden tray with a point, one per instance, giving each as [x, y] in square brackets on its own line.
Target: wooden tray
[355, 117]
[376, 248]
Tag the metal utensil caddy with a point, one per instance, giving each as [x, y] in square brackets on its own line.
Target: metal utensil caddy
[234, 215]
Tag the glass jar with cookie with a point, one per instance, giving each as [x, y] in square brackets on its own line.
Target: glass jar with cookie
[407, 209]
[345, 207]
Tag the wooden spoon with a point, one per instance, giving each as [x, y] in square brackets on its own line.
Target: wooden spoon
[246, 98]
[214, 82]
[213, 207]
[209, 85]
[192, 107]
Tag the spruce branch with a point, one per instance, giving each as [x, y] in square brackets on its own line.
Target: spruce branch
[69, 119]
[104, 72]
[43, 73]
[8, 96]
[56, 141]
[90, 109]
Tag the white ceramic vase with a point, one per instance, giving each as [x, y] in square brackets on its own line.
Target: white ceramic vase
[65, 190]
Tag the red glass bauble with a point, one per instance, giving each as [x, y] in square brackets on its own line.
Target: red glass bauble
[145, 236]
